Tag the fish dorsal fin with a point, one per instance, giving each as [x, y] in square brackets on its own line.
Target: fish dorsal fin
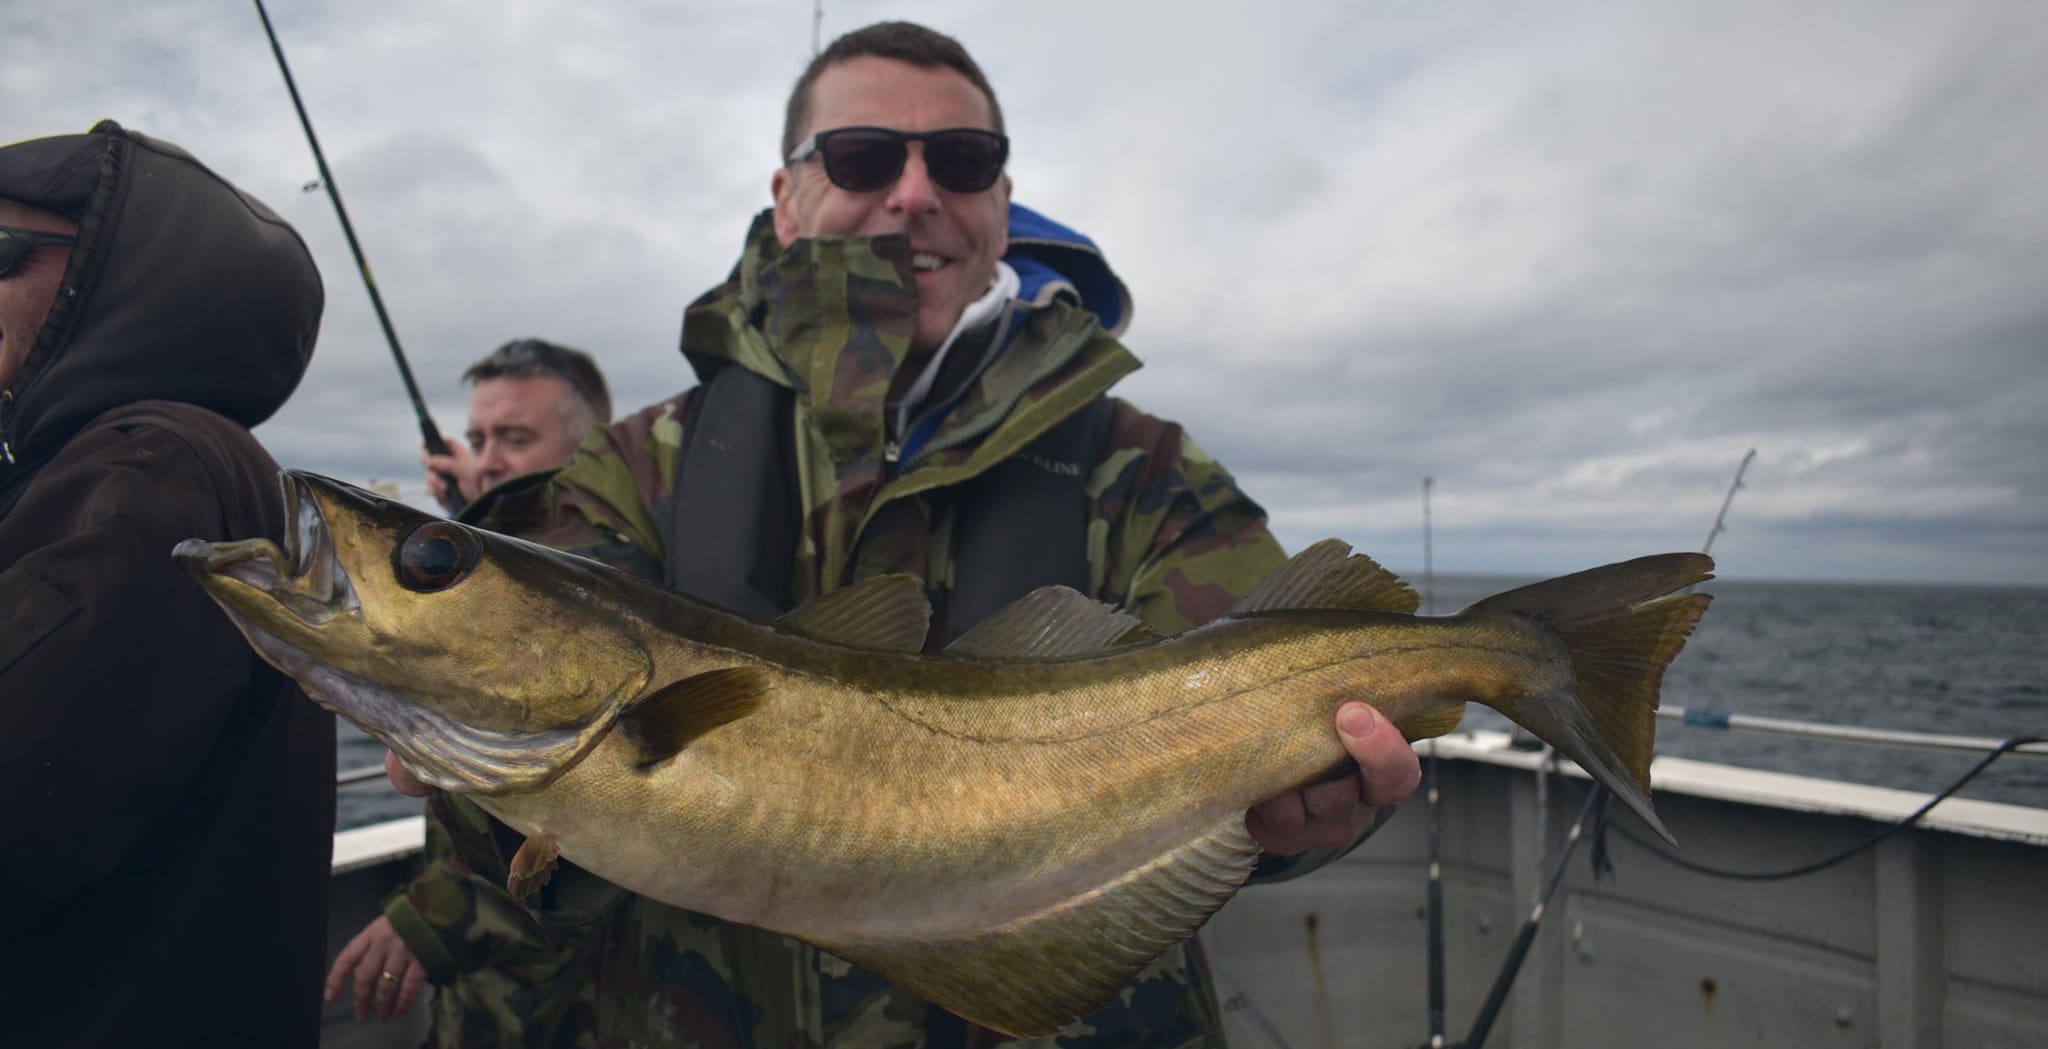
[1032, 975]
[888, 613]
[1051, 622]
[1329, 575]
[664, 723]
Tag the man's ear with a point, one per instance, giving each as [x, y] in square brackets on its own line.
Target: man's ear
[1004, 185]
[783, 187]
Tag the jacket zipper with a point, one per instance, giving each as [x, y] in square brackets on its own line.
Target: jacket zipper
[1057, 360]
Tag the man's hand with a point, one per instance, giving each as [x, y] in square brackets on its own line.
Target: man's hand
[387, 977]
[1333, 815]
[460, 464]
[402, 779]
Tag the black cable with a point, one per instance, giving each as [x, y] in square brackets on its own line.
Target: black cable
[1511, 967]
[1658, 850]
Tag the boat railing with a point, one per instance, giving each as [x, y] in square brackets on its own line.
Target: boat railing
[1708, 717]
[354, 777]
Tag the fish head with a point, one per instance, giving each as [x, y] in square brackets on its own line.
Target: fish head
[486, 663]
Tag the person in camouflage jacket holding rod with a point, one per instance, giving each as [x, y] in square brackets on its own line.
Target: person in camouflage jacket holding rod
[904, 374]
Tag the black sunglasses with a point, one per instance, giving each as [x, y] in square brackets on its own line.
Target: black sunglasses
[865, 159]
[15, 245]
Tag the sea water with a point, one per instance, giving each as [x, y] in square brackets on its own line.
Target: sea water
[1952, 660]
[1965, 661]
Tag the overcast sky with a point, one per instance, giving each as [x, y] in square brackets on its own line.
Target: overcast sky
[1571, 260]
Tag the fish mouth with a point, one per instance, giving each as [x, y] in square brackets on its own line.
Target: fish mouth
[305, 577]
[280, 598]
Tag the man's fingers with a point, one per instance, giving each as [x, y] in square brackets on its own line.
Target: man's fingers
[1278, 819]
[402, 778]
[409, 989]
[366, 971]
[389, 979]
[1335, 814]
[1386, 762]
[337, 976]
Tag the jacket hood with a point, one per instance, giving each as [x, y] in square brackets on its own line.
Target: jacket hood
[1053, 261]
[180, 288]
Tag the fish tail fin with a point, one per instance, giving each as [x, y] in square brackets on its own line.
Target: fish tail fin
[1621, 626]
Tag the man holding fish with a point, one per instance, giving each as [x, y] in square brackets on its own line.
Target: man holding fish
[903, 375]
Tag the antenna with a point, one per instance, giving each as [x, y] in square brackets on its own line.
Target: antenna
[817, 21]
[1428, 568]
[1435, 958]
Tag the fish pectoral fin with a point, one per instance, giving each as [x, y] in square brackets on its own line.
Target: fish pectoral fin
[888, 613]
[1051, 622]
[1329, 575]
[1033, 975]
[533, 864]
[662, 724]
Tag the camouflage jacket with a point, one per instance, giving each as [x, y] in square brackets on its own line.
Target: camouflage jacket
[1169, 537]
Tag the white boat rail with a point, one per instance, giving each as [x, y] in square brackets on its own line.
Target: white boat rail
[1708, 717]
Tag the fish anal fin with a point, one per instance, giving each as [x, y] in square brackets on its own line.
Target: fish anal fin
[888, 613]
[1052, 622]
[1037, 973]
[1329, 575]
[662, 724]
[532, 865]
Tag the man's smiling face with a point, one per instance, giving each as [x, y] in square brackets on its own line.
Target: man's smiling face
[955, 238]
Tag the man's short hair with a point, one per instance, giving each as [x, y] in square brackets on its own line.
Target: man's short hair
[903, 41]
[529, 358]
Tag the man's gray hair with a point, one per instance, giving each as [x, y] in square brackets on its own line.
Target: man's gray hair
[529, 358]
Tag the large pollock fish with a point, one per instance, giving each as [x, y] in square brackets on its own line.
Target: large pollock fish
[1012, 828]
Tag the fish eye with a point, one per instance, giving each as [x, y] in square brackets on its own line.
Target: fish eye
[435, 555]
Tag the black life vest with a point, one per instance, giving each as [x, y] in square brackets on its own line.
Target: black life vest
[731, 524]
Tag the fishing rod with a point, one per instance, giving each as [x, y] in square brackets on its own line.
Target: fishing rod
[1594, 809]
[429, 433]
[1720, 518]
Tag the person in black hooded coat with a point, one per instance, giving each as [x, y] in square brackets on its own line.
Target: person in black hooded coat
[166, 798]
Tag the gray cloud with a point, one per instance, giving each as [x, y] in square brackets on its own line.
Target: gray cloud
[1572, 261]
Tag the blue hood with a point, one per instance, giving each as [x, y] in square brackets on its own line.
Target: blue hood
[1053, 261]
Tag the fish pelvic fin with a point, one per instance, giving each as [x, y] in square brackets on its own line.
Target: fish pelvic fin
[662, 724]
[1621, 625]
[1329, 575]
[532, 865]
[1039, 972]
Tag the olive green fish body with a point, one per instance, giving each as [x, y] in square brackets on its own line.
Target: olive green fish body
[1012, 786]
[1012, 828]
